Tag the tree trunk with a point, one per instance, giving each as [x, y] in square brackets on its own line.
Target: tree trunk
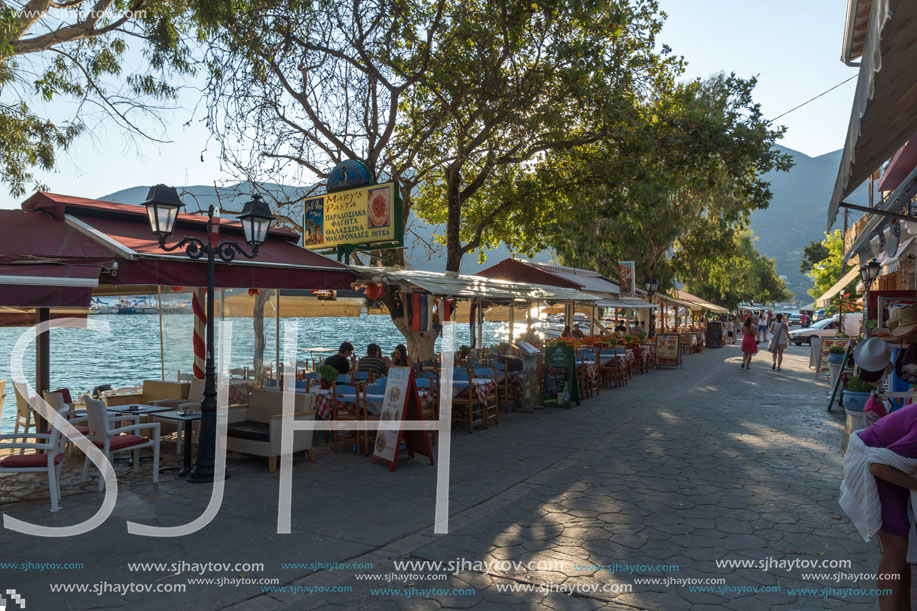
[258, 323]
[453, 221]
[420, 344]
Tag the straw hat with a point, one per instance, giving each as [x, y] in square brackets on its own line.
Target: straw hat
[906, 365]
[903, 321]
[871, 355]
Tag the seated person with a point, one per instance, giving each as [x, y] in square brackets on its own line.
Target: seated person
[400, 356]
[621, 327]
[341, 360]
[577, 333]
[373, 362]
[566, 333]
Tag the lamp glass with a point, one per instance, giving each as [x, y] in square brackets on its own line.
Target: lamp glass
[162, 218]
[256, 219]
[872, 270]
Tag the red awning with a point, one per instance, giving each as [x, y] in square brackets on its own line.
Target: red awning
[902, 164]
[124, 229]
[47, 285]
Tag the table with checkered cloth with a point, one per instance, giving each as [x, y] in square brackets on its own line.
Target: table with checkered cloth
[321, 402]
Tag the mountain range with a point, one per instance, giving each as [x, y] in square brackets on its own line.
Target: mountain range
[795, 216]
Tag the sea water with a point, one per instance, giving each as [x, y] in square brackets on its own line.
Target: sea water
[131, 352]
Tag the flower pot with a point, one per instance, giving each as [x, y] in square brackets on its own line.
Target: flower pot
[326, 384]
[836, 359]
[855, 401]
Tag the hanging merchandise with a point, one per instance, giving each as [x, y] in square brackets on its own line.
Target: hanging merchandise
[421, 311]
[471, 318]
[373, 291]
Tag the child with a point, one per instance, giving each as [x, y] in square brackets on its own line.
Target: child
[749, 343]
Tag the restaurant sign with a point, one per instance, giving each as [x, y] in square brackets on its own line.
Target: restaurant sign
[626, 277]
[369, 215]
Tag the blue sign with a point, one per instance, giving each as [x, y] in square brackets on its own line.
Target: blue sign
[348, 174]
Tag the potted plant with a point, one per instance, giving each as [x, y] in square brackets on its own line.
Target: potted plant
[329, 375]
[836, 355]
[464, 350]
[856, 394]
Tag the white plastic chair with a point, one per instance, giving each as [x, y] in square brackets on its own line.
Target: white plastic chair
[120, 439]
[23, 409]
[50, 443]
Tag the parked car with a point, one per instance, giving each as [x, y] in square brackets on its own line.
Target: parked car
[826, 328]
[793, 319]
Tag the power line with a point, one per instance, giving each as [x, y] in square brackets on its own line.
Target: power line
[815, 98]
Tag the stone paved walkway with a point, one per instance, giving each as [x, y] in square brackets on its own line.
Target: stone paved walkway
[681, 467]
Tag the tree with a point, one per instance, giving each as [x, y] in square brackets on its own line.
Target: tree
[829, 270]
[76, 49]
[517, 81]
[296, 87]
[741, 274]
[812, 254]
[670, 192]
[445, 97]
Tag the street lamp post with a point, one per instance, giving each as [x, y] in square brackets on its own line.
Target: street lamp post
[163, 206]
[651, 284]
[868, 274]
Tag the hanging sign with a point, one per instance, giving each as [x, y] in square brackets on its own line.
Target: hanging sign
[366, 215]
[560, 387]
[668, 350]
[401, 403]
[626, 277]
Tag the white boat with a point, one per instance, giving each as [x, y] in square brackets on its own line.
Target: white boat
[100, 307]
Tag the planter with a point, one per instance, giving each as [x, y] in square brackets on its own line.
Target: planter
[325, 384]
[855, 401]
[836, 359]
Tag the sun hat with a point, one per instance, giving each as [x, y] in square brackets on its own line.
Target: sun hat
[906, 365]
[871, 356]
[903, 321]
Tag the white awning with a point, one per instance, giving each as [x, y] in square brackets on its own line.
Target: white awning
[623, 303]
[884, 113]
[465, 286]
[825, 299]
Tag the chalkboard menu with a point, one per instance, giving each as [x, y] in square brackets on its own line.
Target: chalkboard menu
[668, 351]
[560, 387]
[714, 334]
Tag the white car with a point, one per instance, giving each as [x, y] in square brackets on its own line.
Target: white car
[826, 328]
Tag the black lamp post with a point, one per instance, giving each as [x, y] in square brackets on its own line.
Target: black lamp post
[868, 274]
[163, 205]
[650, 284]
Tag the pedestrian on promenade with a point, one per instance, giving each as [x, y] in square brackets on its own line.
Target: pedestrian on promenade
[762, 326]
[749, 345]
[731, 330]
[780, 339]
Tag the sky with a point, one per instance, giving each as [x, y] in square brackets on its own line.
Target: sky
[792, 46]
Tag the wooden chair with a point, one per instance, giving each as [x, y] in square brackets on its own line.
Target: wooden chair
[345, 407]
[431, 413]
[367, 416]
[491, 406]
[464, 403]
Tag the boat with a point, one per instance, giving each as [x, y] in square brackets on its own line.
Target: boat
[138, 306]
[100, 307]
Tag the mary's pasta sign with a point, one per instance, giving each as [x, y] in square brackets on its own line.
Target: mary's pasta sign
[367, 215]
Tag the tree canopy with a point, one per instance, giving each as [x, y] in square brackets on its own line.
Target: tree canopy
[76, 50]
[826, 272]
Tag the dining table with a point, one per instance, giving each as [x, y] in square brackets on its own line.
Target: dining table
[187, 418]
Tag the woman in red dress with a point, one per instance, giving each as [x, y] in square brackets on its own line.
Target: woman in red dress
[749, 343]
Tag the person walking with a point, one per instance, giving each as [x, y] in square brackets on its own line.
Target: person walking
[749, 345]
[731, 330]
[780, 339]
[762, 326]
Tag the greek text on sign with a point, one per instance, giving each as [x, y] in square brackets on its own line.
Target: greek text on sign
[370, 214]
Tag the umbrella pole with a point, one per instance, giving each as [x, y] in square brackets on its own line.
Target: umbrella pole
[512, 319]
[43, 363]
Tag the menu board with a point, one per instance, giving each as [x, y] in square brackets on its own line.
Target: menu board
[401, 402]
[714, 334]
[668, 351]
[366, 215]
[821, 365]
[560, 386]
